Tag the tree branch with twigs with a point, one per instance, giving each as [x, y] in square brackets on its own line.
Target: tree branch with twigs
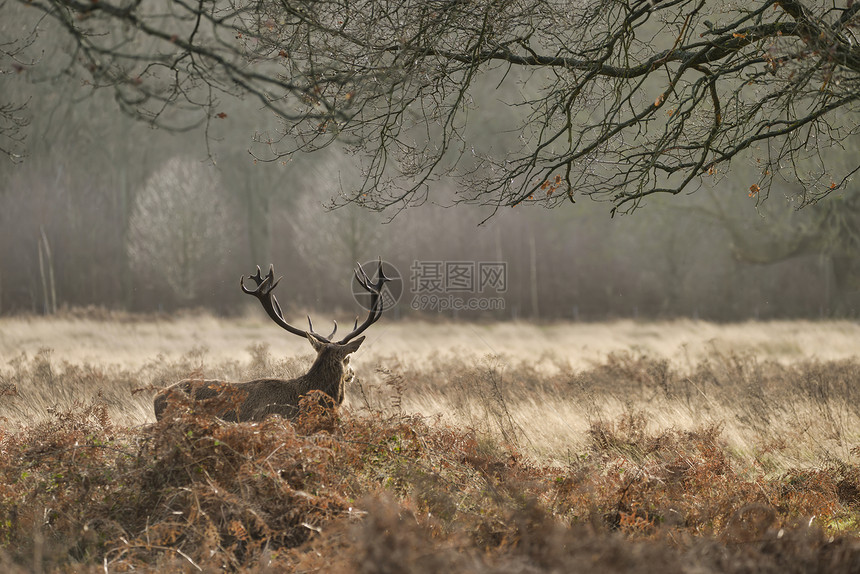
[618, 99]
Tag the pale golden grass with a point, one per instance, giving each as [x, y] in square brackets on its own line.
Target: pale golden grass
[133, 343]
[539, 388]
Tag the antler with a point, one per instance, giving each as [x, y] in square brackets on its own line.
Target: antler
[376, 302]
[263, 292]
[265, 286]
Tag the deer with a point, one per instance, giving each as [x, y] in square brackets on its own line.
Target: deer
[330, 372]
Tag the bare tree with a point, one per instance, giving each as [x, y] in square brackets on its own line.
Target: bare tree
[181, 229]
[345, 235]
[13, 112]
[830, 231]
[621, 99]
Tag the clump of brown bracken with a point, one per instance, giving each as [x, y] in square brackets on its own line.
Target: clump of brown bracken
[369, 492]
[382, 490]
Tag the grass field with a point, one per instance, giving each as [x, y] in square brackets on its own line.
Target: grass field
[473, 447]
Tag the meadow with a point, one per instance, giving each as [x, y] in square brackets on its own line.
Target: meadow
[625, 446]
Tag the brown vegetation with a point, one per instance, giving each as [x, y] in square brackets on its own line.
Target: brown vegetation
[733, 464]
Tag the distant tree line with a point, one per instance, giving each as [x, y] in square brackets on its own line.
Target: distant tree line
[174, 232]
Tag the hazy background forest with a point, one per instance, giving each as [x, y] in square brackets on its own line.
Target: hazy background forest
[107, 211]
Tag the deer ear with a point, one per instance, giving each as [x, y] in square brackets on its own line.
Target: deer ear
[353, 346]
[315, 343]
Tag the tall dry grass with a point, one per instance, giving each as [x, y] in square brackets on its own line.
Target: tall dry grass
[132, 340]
[783, 393]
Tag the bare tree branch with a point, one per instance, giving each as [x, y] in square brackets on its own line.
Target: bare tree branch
[620, 99]
[13, 118]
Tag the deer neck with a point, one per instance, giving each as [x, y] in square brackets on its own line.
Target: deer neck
[325, 375]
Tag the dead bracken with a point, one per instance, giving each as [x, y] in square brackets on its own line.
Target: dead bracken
[374, 489]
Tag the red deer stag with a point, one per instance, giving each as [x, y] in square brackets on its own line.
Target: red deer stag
[330, 371]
